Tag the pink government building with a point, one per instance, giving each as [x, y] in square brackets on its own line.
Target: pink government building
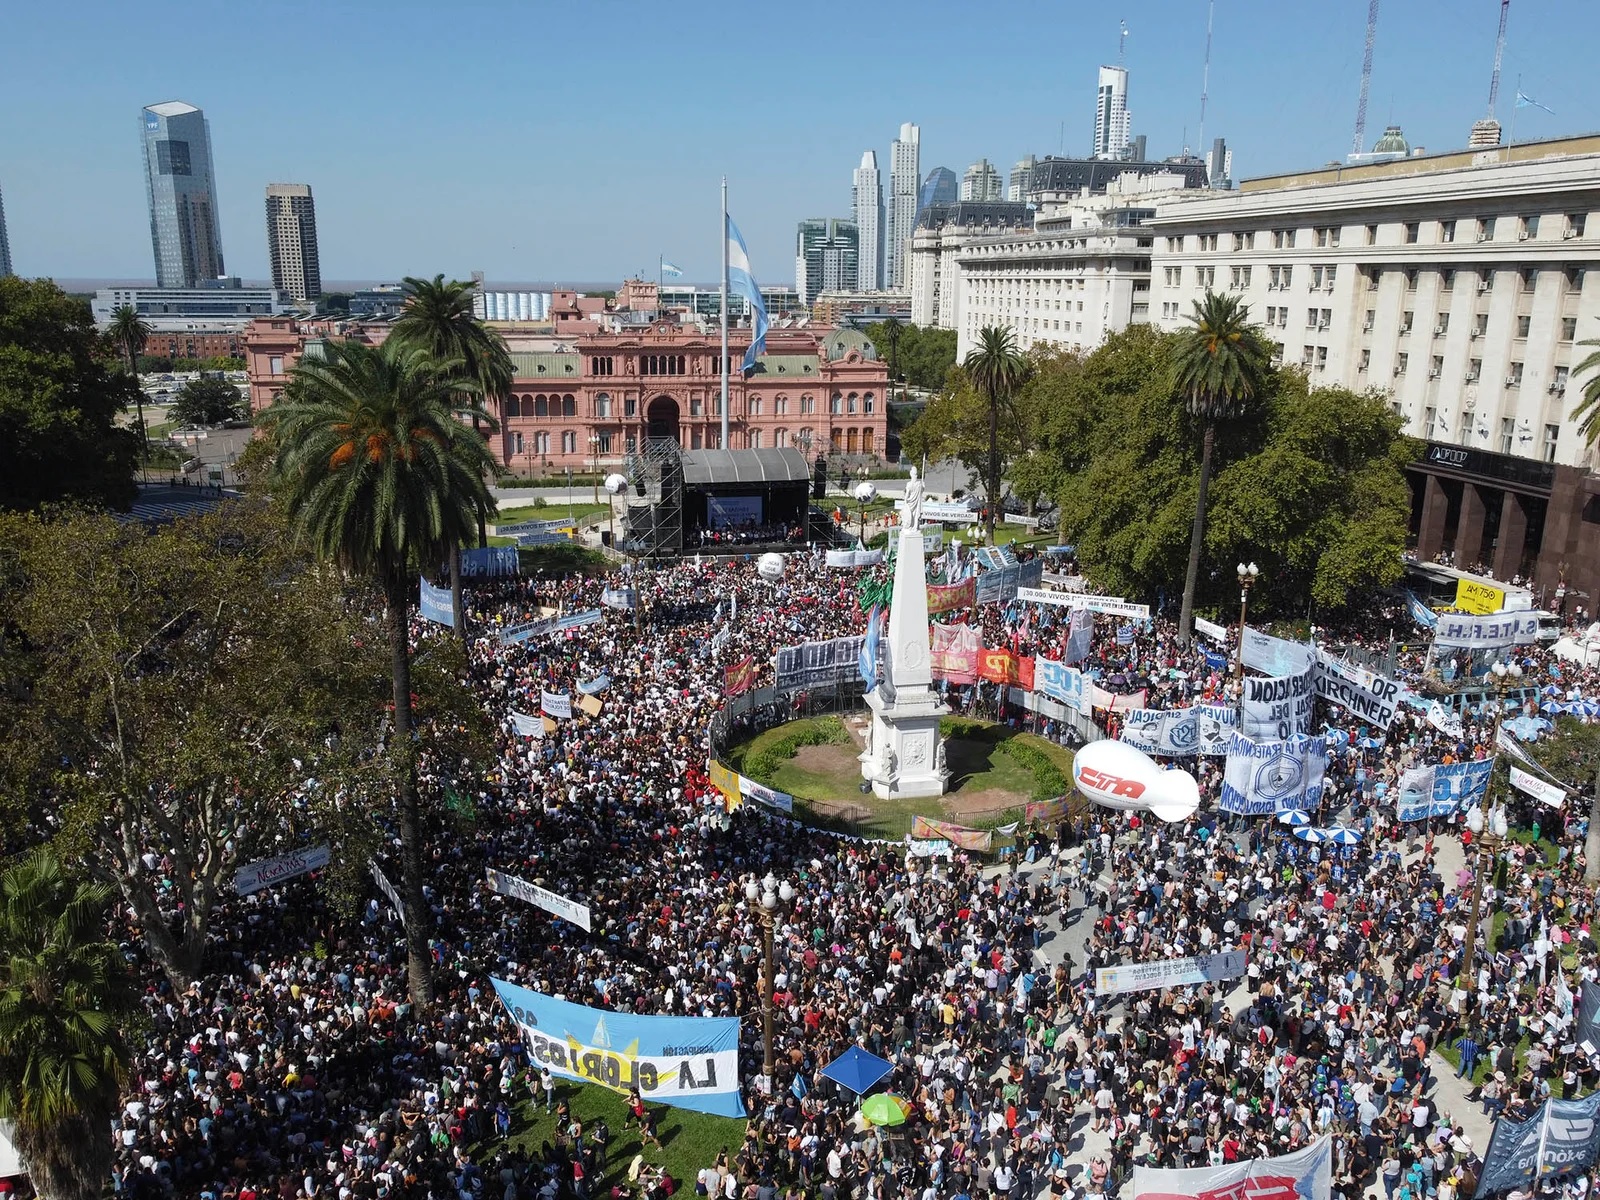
[593, 381]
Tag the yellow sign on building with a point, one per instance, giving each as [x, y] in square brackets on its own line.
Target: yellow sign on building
[1481, 599]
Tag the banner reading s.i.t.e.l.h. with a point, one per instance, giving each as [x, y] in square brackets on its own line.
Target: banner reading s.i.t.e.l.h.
[690, 1062]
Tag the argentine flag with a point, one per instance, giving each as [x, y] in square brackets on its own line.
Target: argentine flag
[742, 283]
[670, 271]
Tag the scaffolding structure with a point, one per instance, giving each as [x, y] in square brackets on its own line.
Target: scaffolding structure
[653, 526]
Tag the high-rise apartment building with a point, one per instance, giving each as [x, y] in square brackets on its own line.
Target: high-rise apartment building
[1219, 165]
[905, 165]
[5, 245]
[940, 187]
[184, 229]
[867, 202]
[1111, 119]
[292, 240]
[826, 257]
[981, 183]
[1021, 180]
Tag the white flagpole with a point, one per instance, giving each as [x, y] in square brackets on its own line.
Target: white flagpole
[724, 234]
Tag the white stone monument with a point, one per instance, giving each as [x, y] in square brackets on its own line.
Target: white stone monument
[905, 755]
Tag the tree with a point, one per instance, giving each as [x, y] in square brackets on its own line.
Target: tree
[174, 692]
[921, 355]
[996, 370]
[206, 401]
[128, 333]
[1218, 366]
[438, 319]
[1571, 754]
[59, 404]
[380, 478]
[1587, 414]
[955, 425]
[65, 999]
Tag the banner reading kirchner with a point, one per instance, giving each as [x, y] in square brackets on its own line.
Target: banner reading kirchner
[690, 1062]
[1169, 972]
[1304, 1175]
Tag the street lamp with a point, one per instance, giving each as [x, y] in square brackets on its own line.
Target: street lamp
[865, 492]
[1487, 834]
[765, 898]
[1248, 574]
[594, 460]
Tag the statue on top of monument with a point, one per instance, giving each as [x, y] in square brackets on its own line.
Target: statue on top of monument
[914, 495]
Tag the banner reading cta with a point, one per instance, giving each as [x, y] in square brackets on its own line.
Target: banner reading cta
[1304, 1175]
[551, 902]
[689, 1062]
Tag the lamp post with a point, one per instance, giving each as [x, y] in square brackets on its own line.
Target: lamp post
[1248, 574]
[765, 898]
[1487, 835]
[865, 492]
[594, 462]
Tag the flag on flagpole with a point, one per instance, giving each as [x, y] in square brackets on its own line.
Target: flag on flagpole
[742, 282]
[670, 271]
[1526, 101]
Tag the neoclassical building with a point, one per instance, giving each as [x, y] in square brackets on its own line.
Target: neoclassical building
[586, 400]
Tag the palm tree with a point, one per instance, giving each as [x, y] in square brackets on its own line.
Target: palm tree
[129, 334]
[1220, 364]
[379, 477]
[997, 371]
[1587, 414]
[438, 318]
[65, 999]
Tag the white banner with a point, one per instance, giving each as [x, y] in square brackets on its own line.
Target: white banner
[1304, 1175]
[1486, 633]
[388, 889]
[1363, 694]
[1274, 655]
[1067, 583]
[257, 875]
[854, 558]
[1116, 606]
[1061, 682]
[1444, 720]
[1212, 630]
[762, 794]
[551, 902]
[555, 704]
[935, 511]
[1171, 731]
[527, 726]
[1169, 972]
[1263, 778]
[1544, 793]
[1277, 709]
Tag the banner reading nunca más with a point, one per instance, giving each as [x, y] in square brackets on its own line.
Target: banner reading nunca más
[257, 875]
[690, 1062]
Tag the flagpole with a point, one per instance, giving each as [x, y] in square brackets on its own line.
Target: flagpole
[724, 312]
[1511, 130]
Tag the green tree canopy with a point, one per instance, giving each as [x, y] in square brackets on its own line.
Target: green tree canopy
[922, 354]
[206, 401]
[59, 402]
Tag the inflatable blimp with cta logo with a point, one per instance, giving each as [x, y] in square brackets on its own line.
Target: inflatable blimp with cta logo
[1115, 775]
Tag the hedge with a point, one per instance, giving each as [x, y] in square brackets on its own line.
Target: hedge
[824, 731]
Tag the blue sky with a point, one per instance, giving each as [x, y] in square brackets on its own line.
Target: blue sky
[576, 141]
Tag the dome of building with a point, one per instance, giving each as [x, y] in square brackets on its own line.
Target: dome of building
[1392, 142]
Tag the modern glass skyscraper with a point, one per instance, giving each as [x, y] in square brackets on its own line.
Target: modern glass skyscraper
[5, 245]
[867, 201]
[940, 187]
[826, 255]
[292, 240]
[184, 230]
[905, 165]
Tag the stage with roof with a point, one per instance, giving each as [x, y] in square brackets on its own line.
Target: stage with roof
[716, 501]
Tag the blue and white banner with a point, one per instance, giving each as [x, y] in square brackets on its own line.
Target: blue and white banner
[1061, 682]
[1439, 791]
[689, 1062]
[511, 635]
[436, 604]
[527, 726]
[1274, 655]
[555, 704]
[1413, 797]
[1212, 630]
[1169, 973]
[1080, 636]
[531, 893]
[1276, 709]
[489, 560]
[593, 687]
[1486, 633]
[1262, 778]
[1563, 1137]
[577, 620]
[1171, 731]
[742, 282]
[622, 597]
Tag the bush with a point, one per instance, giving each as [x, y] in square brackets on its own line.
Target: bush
[1048, 782]
[762, 764]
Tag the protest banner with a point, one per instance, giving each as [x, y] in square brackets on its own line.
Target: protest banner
[950, 597]
[1275, 709]
[1067, 583]
[1045, 811]
[724, 779]
[1439, 791]
[1544, 793]
[979, 840]
[577, 620]
[1169, 972]
[1261, 778]
[1211, 629]
[552, 902]
[688, 1062]
[762, 794]
[1493, 632]
[526, 725]
[1363, 694]
[486, 561]
[1302, 1175]
[436, 604]
[252, 877]
[511, 635]
[522, 528]
[854, 558]
[388, 889]
[556, 704]
[953, 653]
[928, 848]
[592, 705]
[998, 665]
[620, 597]
[817, 664]
[740, 677]
[1114, 606]
[1080, 636]
[1120, 702]
[1172, 731]
[1274, 655]
[1562, 1137]
[1061, 682]
[593, 687]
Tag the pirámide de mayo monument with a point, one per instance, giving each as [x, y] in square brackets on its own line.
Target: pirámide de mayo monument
[904, 757]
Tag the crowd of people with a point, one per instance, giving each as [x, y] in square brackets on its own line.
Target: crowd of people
[296, 1064]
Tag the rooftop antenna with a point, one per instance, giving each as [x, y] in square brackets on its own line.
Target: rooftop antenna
[1205, 75]
[1499, 53]
[1360, 138]
[1122, 41]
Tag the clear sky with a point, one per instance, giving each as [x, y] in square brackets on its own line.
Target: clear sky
[576, 141]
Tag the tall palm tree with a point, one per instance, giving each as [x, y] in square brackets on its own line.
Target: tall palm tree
[65, 999]
[1219, 366]
[1587, 414]
[380, 477]
[438, 318]
[129, 334]
[997, 370]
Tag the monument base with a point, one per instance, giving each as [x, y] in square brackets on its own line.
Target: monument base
[904, 758]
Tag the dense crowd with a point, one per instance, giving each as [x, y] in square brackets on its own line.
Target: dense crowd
[296, 1065]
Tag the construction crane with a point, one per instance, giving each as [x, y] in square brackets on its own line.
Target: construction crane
[1499, 53]
[1357, 144]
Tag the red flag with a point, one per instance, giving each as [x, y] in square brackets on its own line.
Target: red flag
[739, 678]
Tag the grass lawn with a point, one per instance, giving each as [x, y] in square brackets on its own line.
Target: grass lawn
[985, 776]
[553, 510]
[690, 1139]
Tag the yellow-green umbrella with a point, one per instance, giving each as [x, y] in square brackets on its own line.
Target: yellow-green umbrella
[885, 1109]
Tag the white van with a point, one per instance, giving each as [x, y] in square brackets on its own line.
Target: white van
[1549, 629]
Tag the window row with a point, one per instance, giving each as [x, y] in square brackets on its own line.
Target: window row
[1524, 227]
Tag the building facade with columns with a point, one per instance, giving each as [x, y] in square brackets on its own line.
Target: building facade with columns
[1458, 285]
[587, 401]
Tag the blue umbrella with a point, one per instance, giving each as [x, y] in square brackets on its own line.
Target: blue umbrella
[857, 1070]
[1338, 739]
[1370, 743]
[1550, 706]
[1341, 836]
[1294, 816]
[1307, 834]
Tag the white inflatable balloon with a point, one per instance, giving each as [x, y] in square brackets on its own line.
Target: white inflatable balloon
[770, 565]
[1116, 775]
[616, 484]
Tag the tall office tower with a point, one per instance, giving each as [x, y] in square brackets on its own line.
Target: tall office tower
[826, 257]
[1111, 120]
[905, 165]
[982, 182]
[940, 187]
[184, 229]
[866, 198]
[292, 240]
[1021, 179]
[5, 245]
[1219, 165]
